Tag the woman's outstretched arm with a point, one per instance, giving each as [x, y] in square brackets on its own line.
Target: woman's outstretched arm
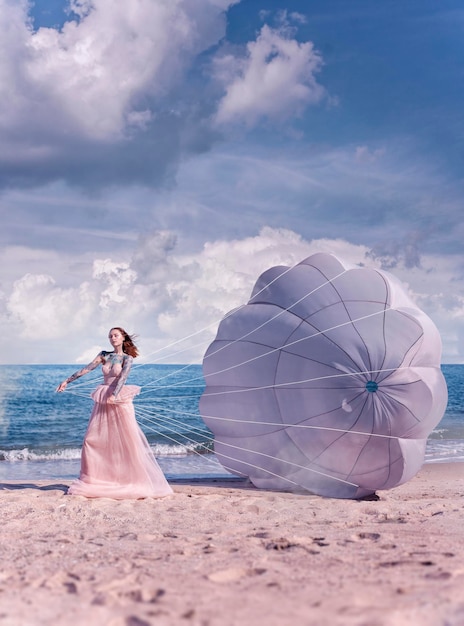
[85, 370]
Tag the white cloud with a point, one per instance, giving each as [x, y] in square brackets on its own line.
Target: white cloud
[116, 279]
[226, 271]
[113, 72]
[96, 69]
[151, 256]
[108, 98]
[437, 287]
[189, 295]
[177, 295]
[45, 311]
[277, 78]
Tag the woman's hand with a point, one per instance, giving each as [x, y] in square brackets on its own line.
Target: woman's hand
[111, 399]
[62, 386]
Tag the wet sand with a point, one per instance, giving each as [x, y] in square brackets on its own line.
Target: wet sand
[226, 554]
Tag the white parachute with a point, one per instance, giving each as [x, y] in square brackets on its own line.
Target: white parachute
[328, 381]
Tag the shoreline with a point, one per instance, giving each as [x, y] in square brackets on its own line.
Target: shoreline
[175, 468]
[229, 479]
[220, 552]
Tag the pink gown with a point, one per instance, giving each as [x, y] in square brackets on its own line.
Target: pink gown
[117, 461]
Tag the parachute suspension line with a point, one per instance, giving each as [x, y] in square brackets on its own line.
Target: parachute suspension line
[321, 332]
[146, 415]
[173, 421]
[160, 412]
[306, 380]
[212, 324]
[271, 351]
[179, 397]
[234, 311]
[302, 426]
[230, 314]
[197, 444]
[152, 419]
[281, 312]
[170, 355]
[78, 393]
[154, 383]
[231, 458]
[87, 383]
[269, 456]
[277, 427]
[263, 469]
[158, 432]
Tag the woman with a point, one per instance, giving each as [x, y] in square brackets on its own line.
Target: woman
[117, 461]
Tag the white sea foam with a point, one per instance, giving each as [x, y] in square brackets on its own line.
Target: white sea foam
[441, 451]
[71, 454]
[25, 454]
[189, 466]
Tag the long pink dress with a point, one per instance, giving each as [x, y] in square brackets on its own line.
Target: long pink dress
[117, 461]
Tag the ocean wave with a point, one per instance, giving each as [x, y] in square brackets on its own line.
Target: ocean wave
[451, 450]
[180, 449]
[72, 454]
[25, 454]
[437, 450]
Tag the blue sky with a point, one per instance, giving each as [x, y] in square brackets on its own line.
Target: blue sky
[155, 157]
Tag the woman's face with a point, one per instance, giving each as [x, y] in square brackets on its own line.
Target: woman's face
[116, 338]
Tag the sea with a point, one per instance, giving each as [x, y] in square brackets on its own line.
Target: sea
[41, 431]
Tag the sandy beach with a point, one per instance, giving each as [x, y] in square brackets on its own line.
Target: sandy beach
[225, 553]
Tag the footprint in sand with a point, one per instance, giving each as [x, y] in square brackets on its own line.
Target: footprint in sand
[234, 573]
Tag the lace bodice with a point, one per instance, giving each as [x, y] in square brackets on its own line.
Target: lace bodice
[115, 367]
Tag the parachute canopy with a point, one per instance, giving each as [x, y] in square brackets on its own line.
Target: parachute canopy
[328, 381]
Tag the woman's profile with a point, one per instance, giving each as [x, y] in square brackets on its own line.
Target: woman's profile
[116, 461]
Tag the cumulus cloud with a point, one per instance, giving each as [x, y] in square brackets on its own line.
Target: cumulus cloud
[185, 295]
[176, 309]
[162, 294]
[276, 78]
[152, 256]
[118, 94]
[80, 95]
[118, 278]
[95, 70]
[44, 310]
[122, 91]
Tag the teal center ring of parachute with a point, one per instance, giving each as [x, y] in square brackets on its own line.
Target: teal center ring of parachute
[293, 381]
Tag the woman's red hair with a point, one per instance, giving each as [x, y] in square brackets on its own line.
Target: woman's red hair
[128, 345]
